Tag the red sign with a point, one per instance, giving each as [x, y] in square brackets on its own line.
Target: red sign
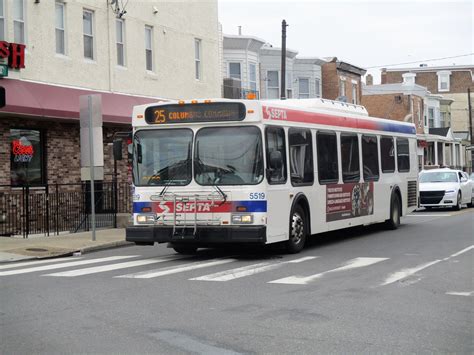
[15, 53]
[349, 200]
[22, 150]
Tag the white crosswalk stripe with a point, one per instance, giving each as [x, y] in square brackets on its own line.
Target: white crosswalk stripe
[175, 269]
[64, 265]
[351, 264]
[37, 262]
[248, 270]
[110, 267]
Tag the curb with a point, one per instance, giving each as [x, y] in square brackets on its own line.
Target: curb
[111, 245]
[85, 250]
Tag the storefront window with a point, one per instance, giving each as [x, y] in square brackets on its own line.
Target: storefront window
[26, 159]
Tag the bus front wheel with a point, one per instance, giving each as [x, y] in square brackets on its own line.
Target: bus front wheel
[185, 250]
[298, 231]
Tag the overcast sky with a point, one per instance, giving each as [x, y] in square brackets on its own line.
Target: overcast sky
[363, 33]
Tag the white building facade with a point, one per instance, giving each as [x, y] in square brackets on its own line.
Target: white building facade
[58, 50]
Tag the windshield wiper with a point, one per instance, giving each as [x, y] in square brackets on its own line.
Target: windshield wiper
[184, 163]
[201, 165]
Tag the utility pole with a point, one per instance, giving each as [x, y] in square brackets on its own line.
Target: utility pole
[283, 60]
[470, 127]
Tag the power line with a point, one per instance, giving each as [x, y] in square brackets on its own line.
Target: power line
[418, 61]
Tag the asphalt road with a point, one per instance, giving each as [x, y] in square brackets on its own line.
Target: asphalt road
[354, 291]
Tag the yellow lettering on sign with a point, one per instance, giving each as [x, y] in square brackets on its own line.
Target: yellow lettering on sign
[160, 116]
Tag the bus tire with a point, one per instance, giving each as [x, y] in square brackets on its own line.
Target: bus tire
[395, 211]
[298, 230]
[185, 250]
[458, 202]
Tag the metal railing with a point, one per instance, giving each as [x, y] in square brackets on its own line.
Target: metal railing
[54, 208]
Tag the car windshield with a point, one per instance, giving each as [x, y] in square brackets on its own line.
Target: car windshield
[162, 157]
[228, 156]
[439, 176]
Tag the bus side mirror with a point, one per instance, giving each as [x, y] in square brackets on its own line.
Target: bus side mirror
[117, 147]
[276, 160]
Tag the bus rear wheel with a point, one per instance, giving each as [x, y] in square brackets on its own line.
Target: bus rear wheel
[298, 231]
[395, 211]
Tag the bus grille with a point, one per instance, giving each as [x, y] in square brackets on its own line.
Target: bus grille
[431, 197]
[412, 193]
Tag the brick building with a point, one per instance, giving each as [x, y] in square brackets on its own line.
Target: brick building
[341, 81]
[452, 83]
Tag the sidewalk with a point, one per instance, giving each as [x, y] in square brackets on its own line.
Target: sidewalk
[13, 249]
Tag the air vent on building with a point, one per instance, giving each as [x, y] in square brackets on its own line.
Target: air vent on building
[398, 99]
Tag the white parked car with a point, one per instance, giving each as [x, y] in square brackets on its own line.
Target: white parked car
[445, 188]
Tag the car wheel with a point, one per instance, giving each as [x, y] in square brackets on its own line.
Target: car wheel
[298, 231]
[458, 202]
[395, 211]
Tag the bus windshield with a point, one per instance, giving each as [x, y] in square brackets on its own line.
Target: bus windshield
[162, 157]
[228, 156]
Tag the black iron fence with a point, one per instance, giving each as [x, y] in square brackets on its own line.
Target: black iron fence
[56, 208]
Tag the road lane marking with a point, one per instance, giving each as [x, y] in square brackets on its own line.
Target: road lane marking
[38, 262]
[460, 252]
[189, 344]
[351, 264]
[64, 265]
[175, 269]
[467, 294]
[110, 267]
[428, 215]
[404, 273]
[248, 270]
[397, 276]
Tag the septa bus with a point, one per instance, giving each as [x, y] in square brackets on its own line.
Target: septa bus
[213, 172]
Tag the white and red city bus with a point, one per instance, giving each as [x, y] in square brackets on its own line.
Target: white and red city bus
[213, 172]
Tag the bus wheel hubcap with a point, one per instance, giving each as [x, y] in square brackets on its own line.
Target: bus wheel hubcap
[297, 228]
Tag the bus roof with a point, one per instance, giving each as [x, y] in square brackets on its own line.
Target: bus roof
[310, 111]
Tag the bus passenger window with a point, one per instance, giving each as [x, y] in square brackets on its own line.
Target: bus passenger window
[328, 169]
[350, 158]
[301, 156]
[370, 158]
[387, 154]
[276, 143]
[403, 155]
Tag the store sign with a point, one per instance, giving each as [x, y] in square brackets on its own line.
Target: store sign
[14, 52]
[22, 150]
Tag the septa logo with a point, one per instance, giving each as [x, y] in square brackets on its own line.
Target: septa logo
[274, 113]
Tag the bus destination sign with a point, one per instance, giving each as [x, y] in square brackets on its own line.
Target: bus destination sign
[201, 112]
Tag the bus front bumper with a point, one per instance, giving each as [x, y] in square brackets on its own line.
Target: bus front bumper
[205, 235]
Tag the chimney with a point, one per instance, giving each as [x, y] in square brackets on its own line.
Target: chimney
[369, 80]
[240, 30]
[383, 76]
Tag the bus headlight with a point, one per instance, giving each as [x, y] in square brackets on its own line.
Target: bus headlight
[242, 219]
[146, 219]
